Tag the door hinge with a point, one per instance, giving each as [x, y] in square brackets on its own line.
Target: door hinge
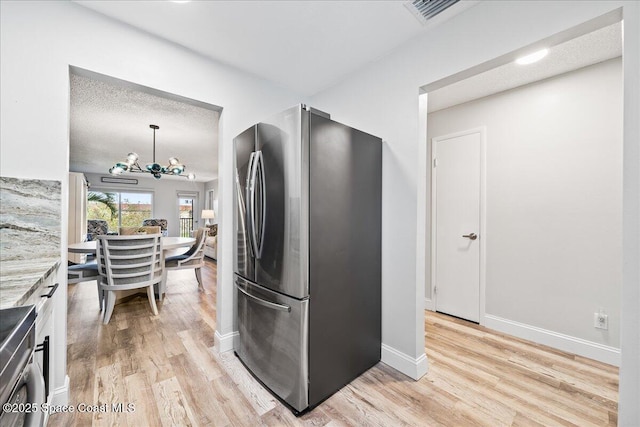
[435, 290]
[435, 163]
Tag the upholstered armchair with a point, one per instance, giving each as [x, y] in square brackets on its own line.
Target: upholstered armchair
[211, 242]
[96, 227]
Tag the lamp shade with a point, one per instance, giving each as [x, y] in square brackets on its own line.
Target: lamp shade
[208, 214]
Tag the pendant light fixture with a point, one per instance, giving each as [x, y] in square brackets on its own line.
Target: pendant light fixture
[131, 164]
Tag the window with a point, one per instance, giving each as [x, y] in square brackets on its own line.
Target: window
[120, 209]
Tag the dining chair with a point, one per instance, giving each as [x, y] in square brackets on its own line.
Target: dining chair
[77, 273]
[193, 258]
[163, 223]
[127, 231]
[129, 262]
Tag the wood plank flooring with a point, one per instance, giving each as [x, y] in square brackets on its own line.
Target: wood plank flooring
[167, 368]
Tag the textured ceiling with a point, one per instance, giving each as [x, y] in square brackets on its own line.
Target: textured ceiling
[110, 118]
[591, 48]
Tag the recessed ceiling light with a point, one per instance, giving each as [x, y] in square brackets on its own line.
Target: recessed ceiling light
[533, 57]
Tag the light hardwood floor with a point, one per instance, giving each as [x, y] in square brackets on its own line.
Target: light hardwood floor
[167, 368]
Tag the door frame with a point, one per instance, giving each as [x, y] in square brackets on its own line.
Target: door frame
[482, 232]
[186, 194]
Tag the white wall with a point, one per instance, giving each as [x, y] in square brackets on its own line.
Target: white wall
[213, 185]
[628, 408]
[39, 40]
[38, 43]
[165, 196]
[383, 98]
[553, 199]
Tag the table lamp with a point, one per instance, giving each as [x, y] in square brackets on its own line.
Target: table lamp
[208, 214]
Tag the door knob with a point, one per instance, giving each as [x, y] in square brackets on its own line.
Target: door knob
[472, 236]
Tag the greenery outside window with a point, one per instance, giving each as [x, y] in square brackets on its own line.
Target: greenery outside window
[120, 209]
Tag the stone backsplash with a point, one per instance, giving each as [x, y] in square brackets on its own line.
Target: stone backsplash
[29, 219]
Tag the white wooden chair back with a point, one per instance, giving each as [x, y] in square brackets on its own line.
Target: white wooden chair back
[193, 258]
[129, 262]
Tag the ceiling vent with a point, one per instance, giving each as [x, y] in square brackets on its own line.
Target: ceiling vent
[424, 10]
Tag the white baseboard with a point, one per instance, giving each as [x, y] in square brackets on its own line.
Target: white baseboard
[579, 346]
[60, 396]
[429, 305]
[414, 368]
[226, 342]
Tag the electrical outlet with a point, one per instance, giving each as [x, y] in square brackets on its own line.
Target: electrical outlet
[600, 321]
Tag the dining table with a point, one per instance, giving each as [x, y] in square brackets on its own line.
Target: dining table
[170, 246]
[168, 243]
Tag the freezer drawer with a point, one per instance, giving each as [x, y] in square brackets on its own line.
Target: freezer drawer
[274, 340]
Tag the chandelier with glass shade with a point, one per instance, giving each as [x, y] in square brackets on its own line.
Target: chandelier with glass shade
[131, 164]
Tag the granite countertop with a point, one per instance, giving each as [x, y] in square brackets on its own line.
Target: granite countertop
[30, 225]
[20, 279]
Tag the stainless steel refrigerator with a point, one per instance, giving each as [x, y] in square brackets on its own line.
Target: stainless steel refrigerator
[307, 253]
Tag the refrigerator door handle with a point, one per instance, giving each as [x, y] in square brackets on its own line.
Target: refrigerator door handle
[265, 303]
[263, 196]
[251, 203]
[242, 203]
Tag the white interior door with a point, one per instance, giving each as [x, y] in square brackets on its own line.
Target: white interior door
[457, 185]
